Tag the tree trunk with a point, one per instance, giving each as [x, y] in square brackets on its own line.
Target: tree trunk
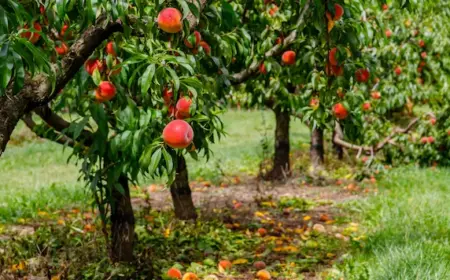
[12, 108]
[181, 193]
[122, 219]
[281, 165]
[337, 148]
[317, 149]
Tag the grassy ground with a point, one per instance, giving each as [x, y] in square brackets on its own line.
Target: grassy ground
[406, 224]
[408, 228]
[36, 176]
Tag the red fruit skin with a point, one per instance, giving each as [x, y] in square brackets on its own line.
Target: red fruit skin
[169, 20]
[273, 10]
[376, 95]
[362, 75]
[385, 7]
[366, 106]
[225, 264]
[64, 29]
[171, 110]
[174, 273]
[198, 37]
[62, 49]
[448, 132]
[332, 57]
[314, 103]
[339, 111]
[421, 43]
[183, 107]
[433, 121]
[424, 140]
[262, 69]
[205, 47]
[32, 37]
[167, 96]
[430, 139]
[42, 9]
[110, 49]
[288, 57]
[423, 55]
[178, 134]
[279, 40]
[398, 70]
[93, 64]
[337, 70]
[339, 12]
[388, 33]
[107, 90]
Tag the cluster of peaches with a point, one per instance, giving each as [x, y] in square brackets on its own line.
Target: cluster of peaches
[223, 266]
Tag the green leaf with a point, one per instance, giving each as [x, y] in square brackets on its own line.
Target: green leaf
[175, 79]
[96, 77]
[185, 7]
[147, 78]
[156, 158]
[169, 161]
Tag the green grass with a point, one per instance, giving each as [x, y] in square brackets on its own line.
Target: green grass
[409, 228]
[36, 176]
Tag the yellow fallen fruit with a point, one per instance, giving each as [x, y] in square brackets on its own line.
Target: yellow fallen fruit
[263, 275]
[190, 276]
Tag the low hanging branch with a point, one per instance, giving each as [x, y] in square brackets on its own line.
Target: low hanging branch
[53, 136]
[338, 138]
[37, 91]
[245, 74]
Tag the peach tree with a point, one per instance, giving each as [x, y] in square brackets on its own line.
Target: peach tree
[137, 83]
[404, 103]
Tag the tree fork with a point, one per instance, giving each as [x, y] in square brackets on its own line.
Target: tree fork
[181, 192]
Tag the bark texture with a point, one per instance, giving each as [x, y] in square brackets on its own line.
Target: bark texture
[281, 164]
[122, 224]
[181, 193]
[37, 91]
[317, 148]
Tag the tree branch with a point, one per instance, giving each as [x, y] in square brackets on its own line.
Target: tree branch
[60, 124]
[338, 138]
[245, 74]
[59, 138]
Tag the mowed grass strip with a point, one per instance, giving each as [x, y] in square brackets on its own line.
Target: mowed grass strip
[408, 226]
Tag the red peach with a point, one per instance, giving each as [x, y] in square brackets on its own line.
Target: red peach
[174, 273]
[32, 37]
[262, 69]
[106, 90]
[183, 106]
[385, 7]
[288, 57]
[340, 111]
[375, 95]
[225, 264]
[398, 70]
[366, 106]
[339, 12]
[64, 29]
[170, 20]
[111, 48]
[388, 33]
[92, 64]
[205, 47]
[332, 57]
[62, 49]
[178, 134]
[362, 75]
